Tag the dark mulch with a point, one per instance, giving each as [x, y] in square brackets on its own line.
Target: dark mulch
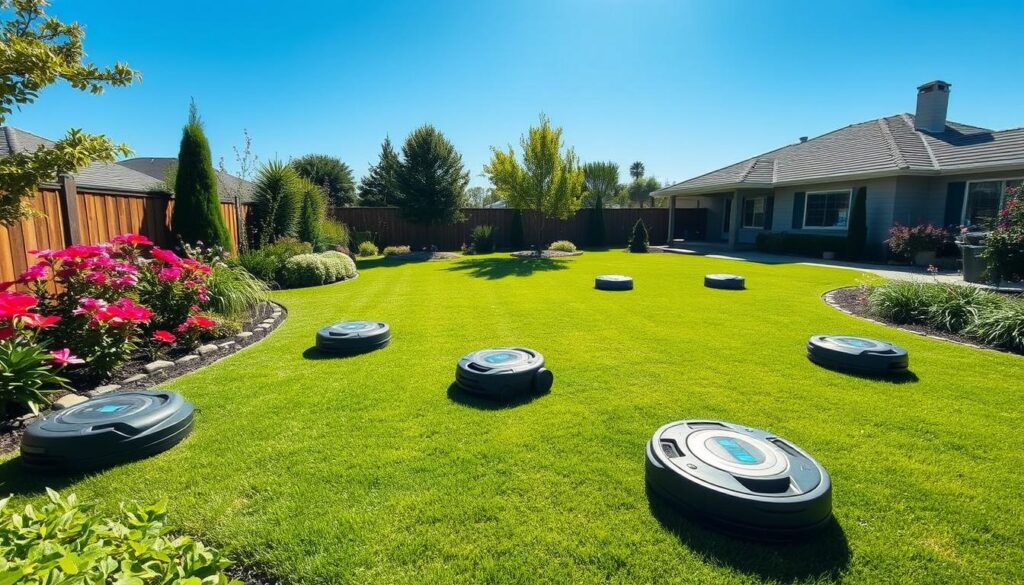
[12, 429]
[544, 254]
[854, 300]
[250, 575]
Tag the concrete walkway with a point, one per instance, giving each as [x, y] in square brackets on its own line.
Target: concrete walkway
[894, 272]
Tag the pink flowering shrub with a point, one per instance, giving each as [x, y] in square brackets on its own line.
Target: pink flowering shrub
[109, 297]
[906, 241]
[1004, 244]
[28, 371]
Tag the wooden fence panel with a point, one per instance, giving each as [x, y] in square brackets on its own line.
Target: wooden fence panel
[390, 229]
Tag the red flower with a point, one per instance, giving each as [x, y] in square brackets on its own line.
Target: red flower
[165, 256]
[164, 336]
[37, 321]
[35, 272]
[15, 304]
[196, 322]
[63, 357]
[96, 277]
[132, 240]
[6, 333]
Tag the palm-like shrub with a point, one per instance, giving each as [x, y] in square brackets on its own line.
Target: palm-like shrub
[482, 239]
[196, 216]
[277, 203]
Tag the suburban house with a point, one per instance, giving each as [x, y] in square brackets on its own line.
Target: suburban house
[914, 169]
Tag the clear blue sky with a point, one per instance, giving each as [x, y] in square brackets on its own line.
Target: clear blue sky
[685, 87]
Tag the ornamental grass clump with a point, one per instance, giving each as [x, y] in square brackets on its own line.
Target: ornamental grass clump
[563, 246]
[1000, 326]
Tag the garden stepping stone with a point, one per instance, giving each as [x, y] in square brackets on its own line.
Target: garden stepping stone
[68, 401]
[208, 348]
[156, 366]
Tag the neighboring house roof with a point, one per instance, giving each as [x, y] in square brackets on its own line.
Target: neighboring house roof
[157, 167]
[886, 146]
[499, 204]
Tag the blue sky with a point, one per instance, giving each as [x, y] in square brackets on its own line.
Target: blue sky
[685, 87]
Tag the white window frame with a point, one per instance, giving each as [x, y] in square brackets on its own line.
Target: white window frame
[849, 207]
[764, 212]
[1002, 193]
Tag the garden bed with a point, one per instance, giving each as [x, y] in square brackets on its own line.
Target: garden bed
[140, 372]
[544, 254]
[853, 300]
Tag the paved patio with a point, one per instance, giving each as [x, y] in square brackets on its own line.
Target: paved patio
[896, 272]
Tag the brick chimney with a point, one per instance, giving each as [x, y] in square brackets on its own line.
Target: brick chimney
[932, 103]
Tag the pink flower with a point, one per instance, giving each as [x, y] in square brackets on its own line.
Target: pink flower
[196, 322]
[132, 240]
[89, 305]
[164, 336]
[170, 273]
[37, 321]
[165, 256]
[63, 357]
[15, 304]
[35, 272]
[126, 268]
[124, 281]
[96, 277]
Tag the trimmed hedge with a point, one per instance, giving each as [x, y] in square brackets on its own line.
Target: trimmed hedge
[801, 244]
[316, 269]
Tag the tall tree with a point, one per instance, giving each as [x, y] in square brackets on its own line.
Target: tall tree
[601, 181]
[277, 203]
[431, 178]
[636, 170]
[549, 180]
[197, 216]
[331, 174]
[38, 50]
[640, 190]
[379, 187]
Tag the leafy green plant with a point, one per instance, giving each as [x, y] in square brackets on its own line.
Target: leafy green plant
[1000, 325]
[312, 214]
[482, 239]
[277, 201]
[67, 542]
[347, 265]
[27, 375]
[333, 235]
[900, 301]
[303, 270]
[393, 250]
[562, 246]
[266, 262]
[233, 291]
[954, 307]
[639, 241]
[367, 249]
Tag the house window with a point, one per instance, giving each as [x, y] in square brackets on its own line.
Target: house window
[984, 200]
[827, 209]
[753, 213]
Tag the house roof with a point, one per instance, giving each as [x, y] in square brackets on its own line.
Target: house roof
[157, 168]
[886, 146]
[96, 175]
[135, 175]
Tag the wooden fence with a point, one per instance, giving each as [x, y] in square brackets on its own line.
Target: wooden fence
[389, 229]
[68, 216]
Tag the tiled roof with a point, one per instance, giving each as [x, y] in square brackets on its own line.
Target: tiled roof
[157, 167]
[888, 145]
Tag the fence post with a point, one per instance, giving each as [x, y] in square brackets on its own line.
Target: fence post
[69, 204]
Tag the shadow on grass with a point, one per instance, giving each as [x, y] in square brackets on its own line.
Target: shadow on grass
[460, 396]
[16, 479]
[495, 268]
[904, 377]
[825, 555]
[312, 353]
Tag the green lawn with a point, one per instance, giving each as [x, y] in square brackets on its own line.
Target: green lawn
[369, 469]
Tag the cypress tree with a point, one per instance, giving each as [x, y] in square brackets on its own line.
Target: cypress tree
[196, 216]
[857, 231]
[312, 214]
[379, 187]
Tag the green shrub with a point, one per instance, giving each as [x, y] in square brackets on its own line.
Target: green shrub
[312, 214]
[266, 262]
[813, 245]
[333, 235]
[482, 239]
[196, 216]
[1000, 325]
[639, 241]
[303, 270]
[234, 291]
[954, 307]
[392, 250]
[367, 249]
[348, 267]
[277, 202]
[900, 301]
[64, 541]
[27, 375]
[1004, 245]
[562, 246]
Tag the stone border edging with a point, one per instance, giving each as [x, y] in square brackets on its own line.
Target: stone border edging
[828, 297]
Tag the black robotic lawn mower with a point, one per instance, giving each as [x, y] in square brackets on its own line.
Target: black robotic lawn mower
[353, 337]
[858, 355]
[106, 431]
[725, 281]
[613, 282]
[504, 373]
[743, 481]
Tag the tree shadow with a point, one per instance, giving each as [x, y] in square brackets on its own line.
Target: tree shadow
[495, 268]
[460, 396]
[18, 480]
[825, 555]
